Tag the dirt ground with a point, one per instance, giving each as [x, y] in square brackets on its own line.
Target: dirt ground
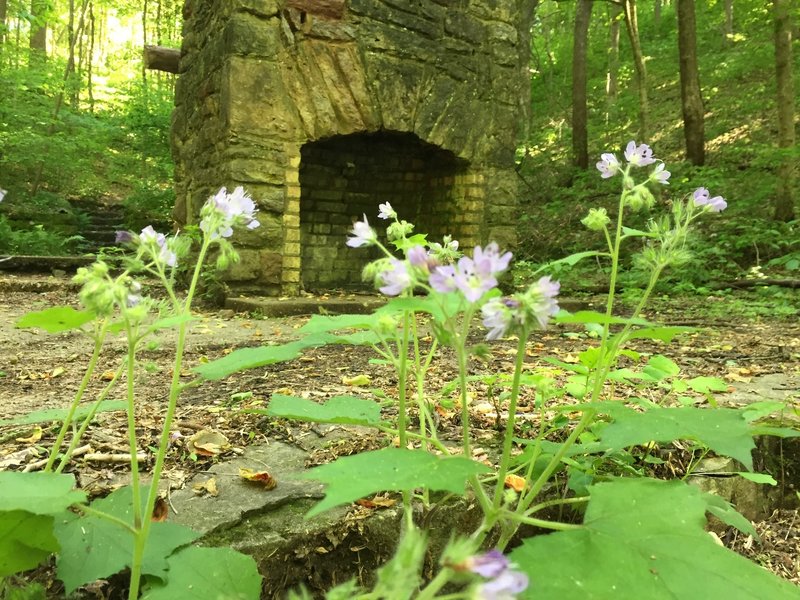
[40, 371]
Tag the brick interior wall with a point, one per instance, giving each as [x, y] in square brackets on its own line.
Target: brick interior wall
[344, 177]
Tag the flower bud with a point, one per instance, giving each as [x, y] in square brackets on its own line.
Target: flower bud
[597, 219]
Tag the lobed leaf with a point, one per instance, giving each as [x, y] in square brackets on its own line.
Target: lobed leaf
[339, 409]
[724, 430]
[390, 469]
[38, 493]
[26, 539]
[59, 414]
[643, 538]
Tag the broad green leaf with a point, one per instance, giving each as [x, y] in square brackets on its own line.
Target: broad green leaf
[724, 430]
[576, 368]
[570, 260]
[727, 513]
[706, 385]
[660, 367]
[781, 432]
[665, 334]
[38, 493]
[643, 538]
[764, 408]
[325, 323]
[391, 469]
[26, 539]
[93, 547]
[55, 319]
[758, 477]
[207, 574]
[59, 414]
[629, 232]
[590, 316]
[339, 409]
[168, 322]
[249, 358]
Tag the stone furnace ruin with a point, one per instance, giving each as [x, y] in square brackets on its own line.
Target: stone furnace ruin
[322, 109]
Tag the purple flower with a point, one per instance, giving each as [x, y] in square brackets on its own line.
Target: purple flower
[473, 281]
[488, 564]
[504, 586]
[608, 165]
[498, 314]
[443, 279]
[151, 238]
[123, 237]
[385, 211]
[396, 278]
[417, 256]
[660, 174]
[149, 235]
[223, 211]
[715, 204]
[363, 234]
[639, 156]
[540, 299]
[489, 262]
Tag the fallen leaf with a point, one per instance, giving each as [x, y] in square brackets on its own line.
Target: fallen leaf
[107, 375]
[515, 482]
[206, 487]
[262, 478]
[57, 371]
[357, 380]
[160, 510]
[377, 502]
[208, 443]
[35, 436]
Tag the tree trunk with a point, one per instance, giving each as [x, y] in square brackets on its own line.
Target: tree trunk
[657, 14]
[728, 33]
[38, 34]
[580, 136]
[784, 200]
[90, 60]
[691, 96]
[3, 15]
[613, 52]
[632, 27]
[69, 77]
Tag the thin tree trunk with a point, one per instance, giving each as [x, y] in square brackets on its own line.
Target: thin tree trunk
[613, 52]
[90, 61]
[580, 136]
[632, 27]
[657, 13]
[144, 39]
[784, 200]
[691, 96]
[728, 33]
[70, 73]
[3, 16]
[38, 33]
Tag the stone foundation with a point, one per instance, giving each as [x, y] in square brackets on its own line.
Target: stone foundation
[322, 109]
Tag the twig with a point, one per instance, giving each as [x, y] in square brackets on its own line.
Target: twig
[114, 458]
[35, 466]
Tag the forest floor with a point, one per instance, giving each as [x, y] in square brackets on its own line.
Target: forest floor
[40, 371]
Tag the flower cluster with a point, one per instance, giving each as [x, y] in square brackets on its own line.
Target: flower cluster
[503, 583]
[534, 307]
[223, 211]
[473, 277]
[101, 294]
[702, 197]
[156, 244]
[637, 155]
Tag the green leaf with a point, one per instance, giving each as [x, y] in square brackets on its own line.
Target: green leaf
[390, 469]
[55, 319]
[629, 232]
[59, 414]
[758, 477]
[26, 539]
[570, 260]
[724, 430]
[727, 513]
[643, 538]
[168, 322]
[208, 574]
[249, 358]
[339, 409]
[590, 316]
[93, 547]
[324, 323]
[660, 367]
[38, 493]
[665, 334]
[706, 385]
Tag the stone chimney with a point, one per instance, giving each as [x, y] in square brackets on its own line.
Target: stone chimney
[322, 109]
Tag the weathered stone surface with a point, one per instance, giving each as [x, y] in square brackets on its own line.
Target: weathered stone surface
[262, 80]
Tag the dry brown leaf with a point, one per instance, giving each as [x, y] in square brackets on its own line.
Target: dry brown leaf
[263, 478]
[377, 502]
[160, 510]
[35, 436]
[515, 482]
[208, 443]
[206, 487]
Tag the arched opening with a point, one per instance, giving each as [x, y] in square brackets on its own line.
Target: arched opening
[346, 176]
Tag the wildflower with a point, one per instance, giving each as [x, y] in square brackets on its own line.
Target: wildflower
[399, 230]
[133, 297]
[660, 174]
[443, 279]
[472, 279]
[418, 257]
[386, 211]
[498, 314]
[715, 204]
[447, 251]
[608, 165]
[639, 156]
[489, 564]
[223, 211]
[396, 279]
[540, 300]
[363, 234]
[123, 237]
[503, 587]
[153, 240]
[489, 261]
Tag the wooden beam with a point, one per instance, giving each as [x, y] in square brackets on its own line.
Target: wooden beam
[159, 58]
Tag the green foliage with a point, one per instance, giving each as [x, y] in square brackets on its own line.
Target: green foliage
[645, 536]
[56, 319]
[59, 414]
[338, 409]
[393, 469]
